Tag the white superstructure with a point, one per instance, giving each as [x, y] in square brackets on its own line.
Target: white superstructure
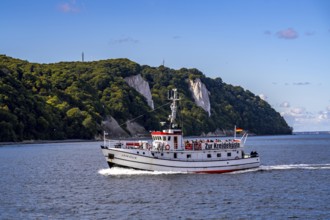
[168, 151]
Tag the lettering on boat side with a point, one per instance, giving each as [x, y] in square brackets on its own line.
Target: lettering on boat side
[128, 156]
[170, 151]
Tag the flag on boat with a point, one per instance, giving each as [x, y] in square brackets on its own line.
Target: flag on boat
[239, 130]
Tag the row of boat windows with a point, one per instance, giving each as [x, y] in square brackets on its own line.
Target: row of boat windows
[189, 155]
[161, 138]
[210, 155]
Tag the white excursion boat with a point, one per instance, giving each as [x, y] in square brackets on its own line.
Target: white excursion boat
[168, 151]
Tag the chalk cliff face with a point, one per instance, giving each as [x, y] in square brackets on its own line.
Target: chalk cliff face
[142, 86]
[200, 94]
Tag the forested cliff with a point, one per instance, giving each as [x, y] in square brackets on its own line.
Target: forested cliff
[70, 100]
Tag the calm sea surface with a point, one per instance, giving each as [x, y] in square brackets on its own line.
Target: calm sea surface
[72, 181]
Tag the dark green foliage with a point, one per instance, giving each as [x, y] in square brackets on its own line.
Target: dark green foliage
[232, 105]
[70, 100]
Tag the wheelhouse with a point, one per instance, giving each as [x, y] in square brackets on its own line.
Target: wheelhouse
[170, 139]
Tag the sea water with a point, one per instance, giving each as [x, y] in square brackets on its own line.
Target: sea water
[72, 181]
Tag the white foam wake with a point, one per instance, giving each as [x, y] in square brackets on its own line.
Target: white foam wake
[297, 166]
[118, 171]
[287, 167]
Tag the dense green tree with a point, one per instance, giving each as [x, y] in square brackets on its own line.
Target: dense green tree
[71, 99]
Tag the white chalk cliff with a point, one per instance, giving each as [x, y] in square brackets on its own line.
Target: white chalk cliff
[200, 94]
[141, 86]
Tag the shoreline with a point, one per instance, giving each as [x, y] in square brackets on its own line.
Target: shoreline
[140, 138]
[25, 142]
[46, 142]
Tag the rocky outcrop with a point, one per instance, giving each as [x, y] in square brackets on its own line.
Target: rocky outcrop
[113, 130]
[111, 126]
[141, 86]
[217, 133]
[200, 94]
[136, 130]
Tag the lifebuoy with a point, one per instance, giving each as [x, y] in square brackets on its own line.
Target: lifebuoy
[167, 147]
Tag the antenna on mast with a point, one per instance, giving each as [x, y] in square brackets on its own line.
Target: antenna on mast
[173, 95]
[82, 57]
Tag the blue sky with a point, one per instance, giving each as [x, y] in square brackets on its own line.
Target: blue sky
[279, 50]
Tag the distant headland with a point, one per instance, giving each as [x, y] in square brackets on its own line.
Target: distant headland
[80, 100]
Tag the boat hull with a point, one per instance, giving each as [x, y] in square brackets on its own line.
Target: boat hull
[146, 160]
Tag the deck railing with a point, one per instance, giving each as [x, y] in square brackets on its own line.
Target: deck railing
[193, 145]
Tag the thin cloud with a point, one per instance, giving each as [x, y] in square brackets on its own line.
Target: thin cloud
[263, 97]
[323, 115]
[176, 37]
[294, 83]
[124, 40]
[267, 32]
[310, 33]
[293, 115]
[69, 7]
[297, 111]
[303, 120]
[287, 34]
[285, 105]
[301, 83]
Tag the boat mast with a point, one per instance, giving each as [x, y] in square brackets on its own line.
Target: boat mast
[173, 95]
